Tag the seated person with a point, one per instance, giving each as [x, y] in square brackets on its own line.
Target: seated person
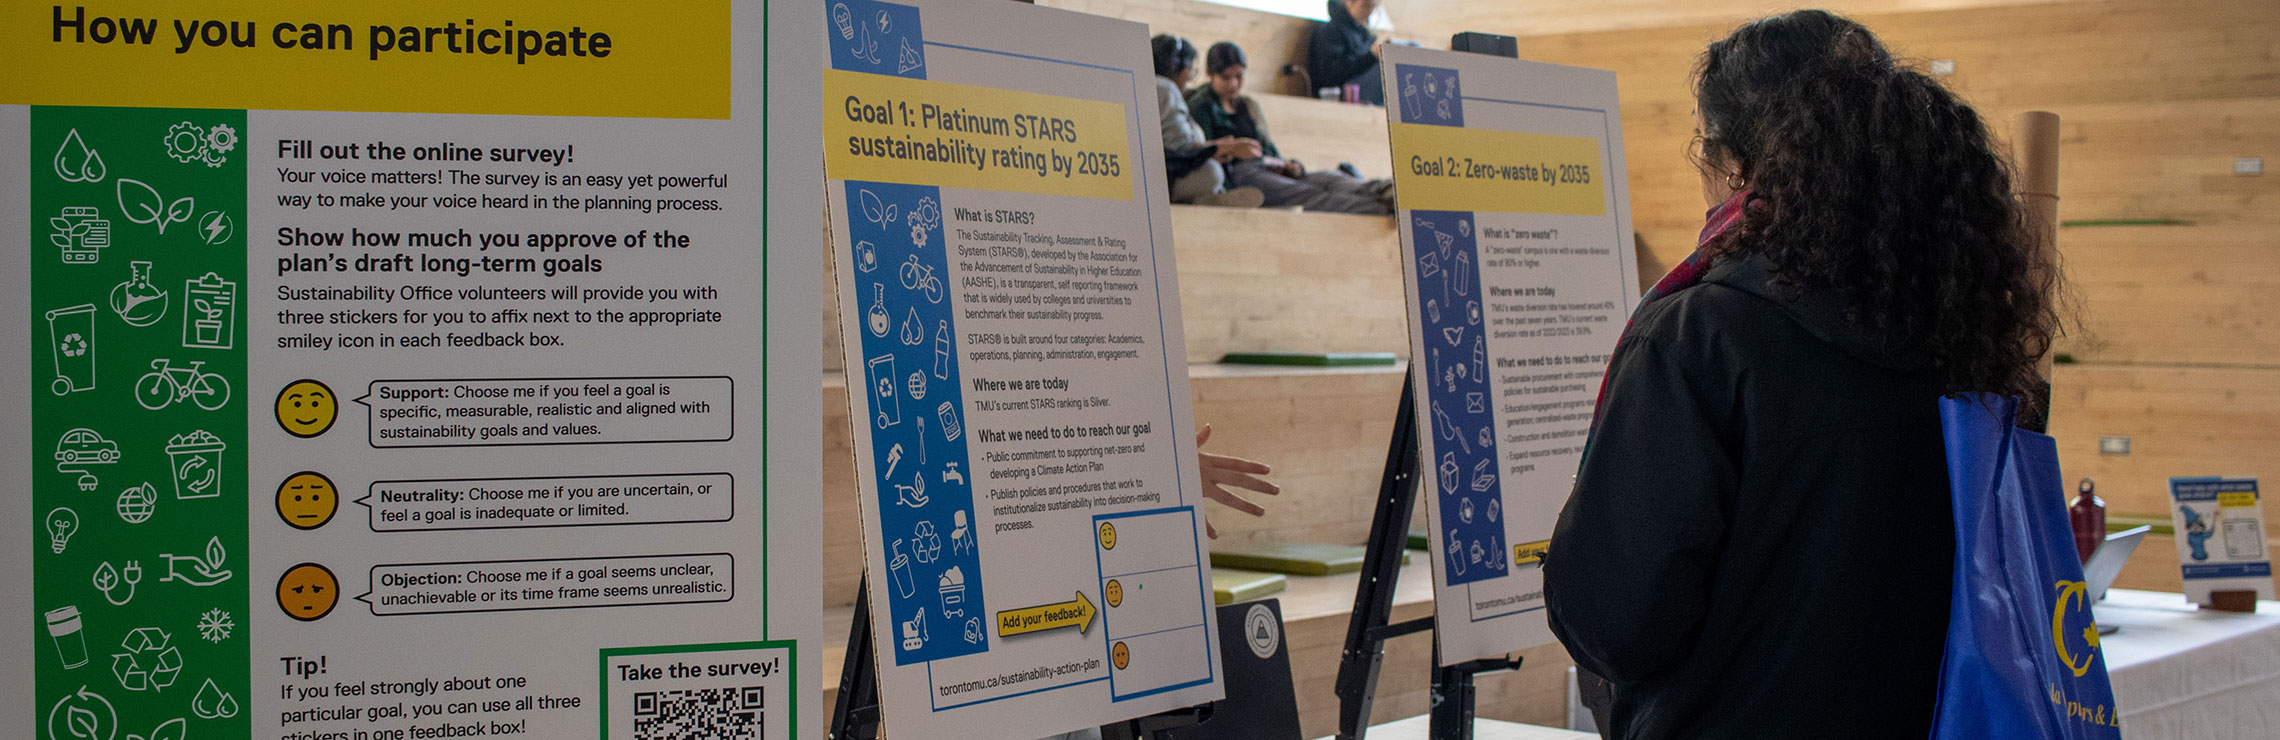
[1223, 111]
[1343, 51]
[1196, 167]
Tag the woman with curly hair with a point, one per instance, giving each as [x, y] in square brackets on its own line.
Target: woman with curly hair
[1759, 543]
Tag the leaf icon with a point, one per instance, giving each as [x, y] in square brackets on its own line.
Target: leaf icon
[82, 722]
[141, 202]
[178, 212]
[872, 209]
[214, 554]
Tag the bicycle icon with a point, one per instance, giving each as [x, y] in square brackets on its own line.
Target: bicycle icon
[920, 277]
[165, 384]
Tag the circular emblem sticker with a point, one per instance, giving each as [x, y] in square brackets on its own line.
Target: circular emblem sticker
[1262, 631]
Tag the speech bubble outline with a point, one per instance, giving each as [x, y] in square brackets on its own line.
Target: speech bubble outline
[727, 491]
[371, 431]
[727, 579]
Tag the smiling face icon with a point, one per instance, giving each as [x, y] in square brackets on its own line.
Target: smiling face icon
[306, 408]
[307, 500]
[307, 592]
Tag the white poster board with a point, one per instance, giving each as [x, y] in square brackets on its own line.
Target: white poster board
[1516, 249]
[1017, 380]
[2220, 536]
[385, 370]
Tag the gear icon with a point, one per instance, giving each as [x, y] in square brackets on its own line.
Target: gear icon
[222, 139]
[186, 142]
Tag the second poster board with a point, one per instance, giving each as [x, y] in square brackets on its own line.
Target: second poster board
[1017, 383]
[1517, 254]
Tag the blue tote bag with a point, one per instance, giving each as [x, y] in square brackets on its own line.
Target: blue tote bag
[2022, 657]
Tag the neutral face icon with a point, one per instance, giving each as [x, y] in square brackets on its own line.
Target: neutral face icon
[307, 592]
[1115, 593]
[307, 500]
[306, 408]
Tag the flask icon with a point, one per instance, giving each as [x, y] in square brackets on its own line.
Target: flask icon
[137, 301]
[878, 317]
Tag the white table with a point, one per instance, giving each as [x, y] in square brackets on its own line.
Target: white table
[1414, 728]
[2184, 672]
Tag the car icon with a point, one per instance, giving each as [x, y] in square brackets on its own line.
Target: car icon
[84, 445]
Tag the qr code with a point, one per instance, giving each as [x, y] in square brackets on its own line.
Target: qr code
[701, 714]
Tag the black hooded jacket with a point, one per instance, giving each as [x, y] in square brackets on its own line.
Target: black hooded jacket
[1339, 52]
[1760, 543]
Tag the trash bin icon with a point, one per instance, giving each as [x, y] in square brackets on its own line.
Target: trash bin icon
[197, 463]
[71, 336]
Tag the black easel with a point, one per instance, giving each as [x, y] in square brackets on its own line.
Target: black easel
[1367, 628]
[855, 713]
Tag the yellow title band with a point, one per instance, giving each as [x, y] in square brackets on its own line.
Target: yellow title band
[1444, 168]
[895, 129]
[517, 57]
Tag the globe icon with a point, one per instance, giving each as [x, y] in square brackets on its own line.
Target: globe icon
[136, 504]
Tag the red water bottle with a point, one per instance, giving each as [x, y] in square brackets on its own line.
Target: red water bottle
[2088, 515]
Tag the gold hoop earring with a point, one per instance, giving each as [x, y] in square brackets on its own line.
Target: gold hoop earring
[1735, 182]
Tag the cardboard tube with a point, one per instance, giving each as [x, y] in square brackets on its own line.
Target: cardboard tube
[2035, 144]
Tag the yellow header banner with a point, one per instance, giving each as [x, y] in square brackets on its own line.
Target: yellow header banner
[1445, 168]
[514, 57]
[894, 129]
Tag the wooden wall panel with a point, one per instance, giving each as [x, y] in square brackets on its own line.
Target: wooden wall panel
[2181, 422]
[1322, 133]
[1280, 281]
[2200, 295]
[1432, 22]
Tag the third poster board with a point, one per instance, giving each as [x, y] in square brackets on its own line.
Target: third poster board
[1016, 375]
[1517, 253]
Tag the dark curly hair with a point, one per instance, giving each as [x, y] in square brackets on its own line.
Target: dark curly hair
[1869, 179]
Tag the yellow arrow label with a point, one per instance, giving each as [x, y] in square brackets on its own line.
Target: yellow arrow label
[1078, 613]
[1527, 553]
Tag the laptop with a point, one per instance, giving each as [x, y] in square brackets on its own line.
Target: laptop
[2105, 563]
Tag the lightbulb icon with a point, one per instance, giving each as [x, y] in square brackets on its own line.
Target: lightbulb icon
[61, 524]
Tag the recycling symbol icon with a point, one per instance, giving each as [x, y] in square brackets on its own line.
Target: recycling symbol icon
[928, 545]
[149, 664]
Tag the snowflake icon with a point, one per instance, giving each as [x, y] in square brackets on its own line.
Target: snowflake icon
[215, 625]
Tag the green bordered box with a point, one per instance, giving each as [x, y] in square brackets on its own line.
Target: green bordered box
[722, 689]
